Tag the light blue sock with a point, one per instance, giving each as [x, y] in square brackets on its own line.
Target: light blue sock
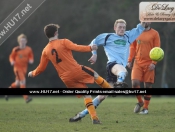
[120, 80]
[121, 76]
[96, 102]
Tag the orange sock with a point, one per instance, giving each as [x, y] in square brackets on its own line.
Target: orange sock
[102, 82]
[24, 96]
[139, 97]
[13, 85]
[22, 86]
[146, 101]
[91, 109]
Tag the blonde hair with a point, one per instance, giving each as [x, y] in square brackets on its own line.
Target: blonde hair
[21, 36]
[119, 21]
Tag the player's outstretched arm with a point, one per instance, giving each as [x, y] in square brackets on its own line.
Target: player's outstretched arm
[135, 32]
[80, 48]
[41, 67]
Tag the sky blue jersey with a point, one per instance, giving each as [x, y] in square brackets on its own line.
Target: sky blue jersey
[117, 47]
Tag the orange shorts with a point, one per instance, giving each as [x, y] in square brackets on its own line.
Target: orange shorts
[20, 74]
[79, 77]
[142, 73]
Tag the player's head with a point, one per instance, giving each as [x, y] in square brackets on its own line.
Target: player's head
[148, 25]
[51, 30]
[120, 27]
[22, 40]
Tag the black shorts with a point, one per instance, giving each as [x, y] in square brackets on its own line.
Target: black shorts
[110, 76]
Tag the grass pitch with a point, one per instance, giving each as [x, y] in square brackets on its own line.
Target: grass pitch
[51, 114]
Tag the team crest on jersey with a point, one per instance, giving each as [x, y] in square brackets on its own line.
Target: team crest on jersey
[120, 42]
[20, 56]
[138, 41]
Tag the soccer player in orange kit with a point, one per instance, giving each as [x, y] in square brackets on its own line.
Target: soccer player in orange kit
[74, 75]
[19, 59]
[143, 69]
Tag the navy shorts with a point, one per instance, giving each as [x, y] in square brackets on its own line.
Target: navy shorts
[110, 76]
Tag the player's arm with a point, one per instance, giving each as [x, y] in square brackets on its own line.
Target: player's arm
[132, 54]
[41, 67]
[12, 56]
[31, 56]
[135, 32]
[80, 48]
[156, 42]
[99, 41]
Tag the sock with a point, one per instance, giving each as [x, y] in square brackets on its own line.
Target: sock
[22, 86]
[139, 97]
[121, 76]
[146, 101]
[24, 96]
[96, 102]
[102, 82]
[90, 107]
[13, 85]
[120, 80]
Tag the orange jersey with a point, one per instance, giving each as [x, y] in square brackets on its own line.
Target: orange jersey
[59, 52]
[141, 47]
[21, 57]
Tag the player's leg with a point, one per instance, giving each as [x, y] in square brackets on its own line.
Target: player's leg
[149, 78]
[96, 101]
[120, 72]
[90, 108]
[136, 77]
[110, 78]
[139, 104]
[14, 84]
[22, 83]
[101, 82]
[89, 76]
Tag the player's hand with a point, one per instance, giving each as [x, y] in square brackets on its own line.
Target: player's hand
[30, 61]
[94, 47]
[93, 59]
[151, 67]
[129, 65]
[30, 74]
[12, 63]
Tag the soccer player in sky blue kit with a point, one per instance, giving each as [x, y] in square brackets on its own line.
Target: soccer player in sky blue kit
[116, 46]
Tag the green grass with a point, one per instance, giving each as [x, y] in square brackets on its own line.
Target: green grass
[51, 114]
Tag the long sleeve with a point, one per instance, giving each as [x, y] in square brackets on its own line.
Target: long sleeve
[135, 32]
[132, 51]
[156, 43]
[42, 65]
[12, 56]
[99, 41]
[80, 48]
[31, 56]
